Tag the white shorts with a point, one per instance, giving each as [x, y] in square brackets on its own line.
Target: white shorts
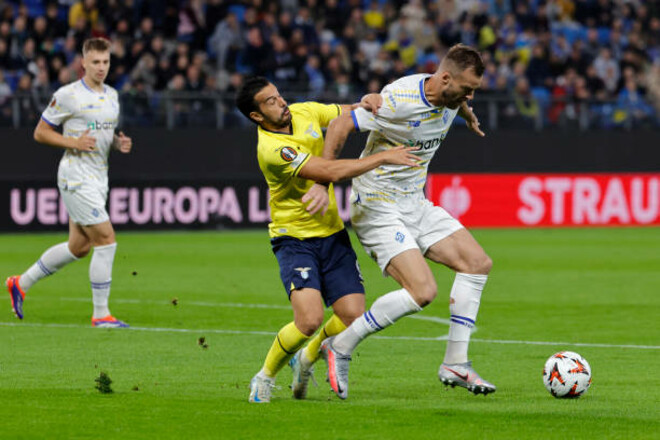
[388, 229]
[86, 203]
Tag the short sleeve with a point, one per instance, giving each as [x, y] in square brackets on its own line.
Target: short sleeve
[61, 107]
[390, 111]
[285, 161]
[324, 113]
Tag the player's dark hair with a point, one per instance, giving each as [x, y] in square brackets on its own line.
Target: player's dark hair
[246, 92]
[96, 44]
[465, 57]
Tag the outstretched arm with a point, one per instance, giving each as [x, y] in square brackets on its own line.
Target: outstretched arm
[325, 170]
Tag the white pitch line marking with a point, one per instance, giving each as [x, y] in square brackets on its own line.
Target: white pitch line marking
[262, 333]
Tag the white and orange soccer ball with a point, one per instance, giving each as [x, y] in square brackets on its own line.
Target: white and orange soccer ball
[567, 375]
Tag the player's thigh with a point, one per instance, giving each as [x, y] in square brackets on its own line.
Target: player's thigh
[86, 204]
[299, 266]
[340, 271]
[382, 233]
[349, 307]
[460, 252]
[432, 225]
[411, 271]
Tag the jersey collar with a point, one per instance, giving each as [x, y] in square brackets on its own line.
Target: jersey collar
[82, 81]
[422, 94]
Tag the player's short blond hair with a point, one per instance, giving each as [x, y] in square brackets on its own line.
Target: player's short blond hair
[96, 45]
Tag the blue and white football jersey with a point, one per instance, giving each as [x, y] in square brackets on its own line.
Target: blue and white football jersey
[405, 118]
[77, 108]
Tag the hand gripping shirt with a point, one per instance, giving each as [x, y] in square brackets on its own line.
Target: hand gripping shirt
[281, 157]
[404, 118]
[77, 108]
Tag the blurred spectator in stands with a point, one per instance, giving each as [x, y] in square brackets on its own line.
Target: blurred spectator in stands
[374, 17]
[578, 59]
[145, 72]
[499, 8]
[255, 53]
[313, 77]
[631, 108]
[304, 22]
[607, 69]
[136, 109]
[214, 13]
[39, 31]
[538, 70]
[157, 47]
[268, 26]
[226, 42]
[336, 16]
[85, 10]
[56, 27]
[29, 109]
[191, 24]
[370, 46]
[5, 89]
[145, 32]
[42, 89]
[280, 64]
[164, 73]
[525, 104]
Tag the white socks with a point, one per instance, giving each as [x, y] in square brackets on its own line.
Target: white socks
[100, 276]
[50, 262]
[463, 306]
[384, 312]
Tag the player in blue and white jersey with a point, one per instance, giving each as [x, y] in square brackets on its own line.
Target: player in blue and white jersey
[399, 227]
[87, 112]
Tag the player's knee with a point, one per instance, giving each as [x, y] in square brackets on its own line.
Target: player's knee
[81, 250]
[425, 293]
[350, 315]
[309, 323]
[480, 264]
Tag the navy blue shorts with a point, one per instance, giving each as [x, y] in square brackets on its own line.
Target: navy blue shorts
[327, 264]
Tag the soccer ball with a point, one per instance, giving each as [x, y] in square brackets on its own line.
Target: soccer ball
[567, 375]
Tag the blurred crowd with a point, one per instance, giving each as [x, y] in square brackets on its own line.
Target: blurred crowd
[544, 59]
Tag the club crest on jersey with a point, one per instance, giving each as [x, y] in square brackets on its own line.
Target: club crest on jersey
[310, 131]
[288, 154]
[304, 272]
[445, 116]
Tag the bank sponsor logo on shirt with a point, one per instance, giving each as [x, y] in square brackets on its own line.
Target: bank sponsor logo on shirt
[106, 125]
[288, 154]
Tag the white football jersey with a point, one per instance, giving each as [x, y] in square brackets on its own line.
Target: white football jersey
[78, 108]
[404, 118]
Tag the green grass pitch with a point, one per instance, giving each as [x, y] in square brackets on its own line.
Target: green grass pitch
[550, 289]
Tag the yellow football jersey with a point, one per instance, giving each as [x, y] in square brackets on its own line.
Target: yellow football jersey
[281, 156]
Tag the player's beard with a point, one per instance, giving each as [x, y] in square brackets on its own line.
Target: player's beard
[282, 122]
[451, 100]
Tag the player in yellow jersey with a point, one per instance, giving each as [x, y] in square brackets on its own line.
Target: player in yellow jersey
[317, 262]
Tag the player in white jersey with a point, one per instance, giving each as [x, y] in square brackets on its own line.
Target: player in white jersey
[399, 227]
[88, 112]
